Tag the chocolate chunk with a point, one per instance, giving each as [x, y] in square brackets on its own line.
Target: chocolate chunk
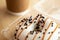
[52, 25]
[41, 16]
[15, 37]
[37, 24]
[15, 34]
[39, 37]
[37, 15]
[25, 27]
[16, 30]
[25, 24]
[43, 32]
[31, 32]
[21, 28]
[40, 31]
[51, 32]
[25, 19]
[34, 21]
[42, 21]
[30, 21]
[45, 29]
[22, 21]
[27, 36]
[30, 16]
[19, 25]
[42, 26]
[37, 27]
[48, 32]
[36, 32]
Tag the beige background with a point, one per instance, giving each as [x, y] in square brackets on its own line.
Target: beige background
[6, 18]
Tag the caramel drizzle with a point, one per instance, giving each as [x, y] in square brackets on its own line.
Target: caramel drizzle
[35, 36]
[27, 26]
[27, 35]
[20, 27]
[53, 32]
[46, 31]
[39, 32]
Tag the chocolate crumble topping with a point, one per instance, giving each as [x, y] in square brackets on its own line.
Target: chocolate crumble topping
[48, 32]
[38, 15]
[34, 21]
[15, 34]
[37, 27]
[31, 32]
[45, 29]
[30, 21]
[16, 30]
[40, 31]
[27, 36]
[39, 37]
[25, 27]
[43, 32]
[15, 37]
[19, 25]
[25, 24]
[21, 28]
[52, 25]
[30, 16]
[41, 16]
[51, 32]
[22, 21]
[36, 32]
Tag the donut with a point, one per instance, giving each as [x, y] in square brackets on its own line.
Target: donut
[37, 28]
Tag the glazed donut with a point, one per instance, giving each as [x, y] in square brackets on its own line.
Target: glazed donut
[37, 28]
